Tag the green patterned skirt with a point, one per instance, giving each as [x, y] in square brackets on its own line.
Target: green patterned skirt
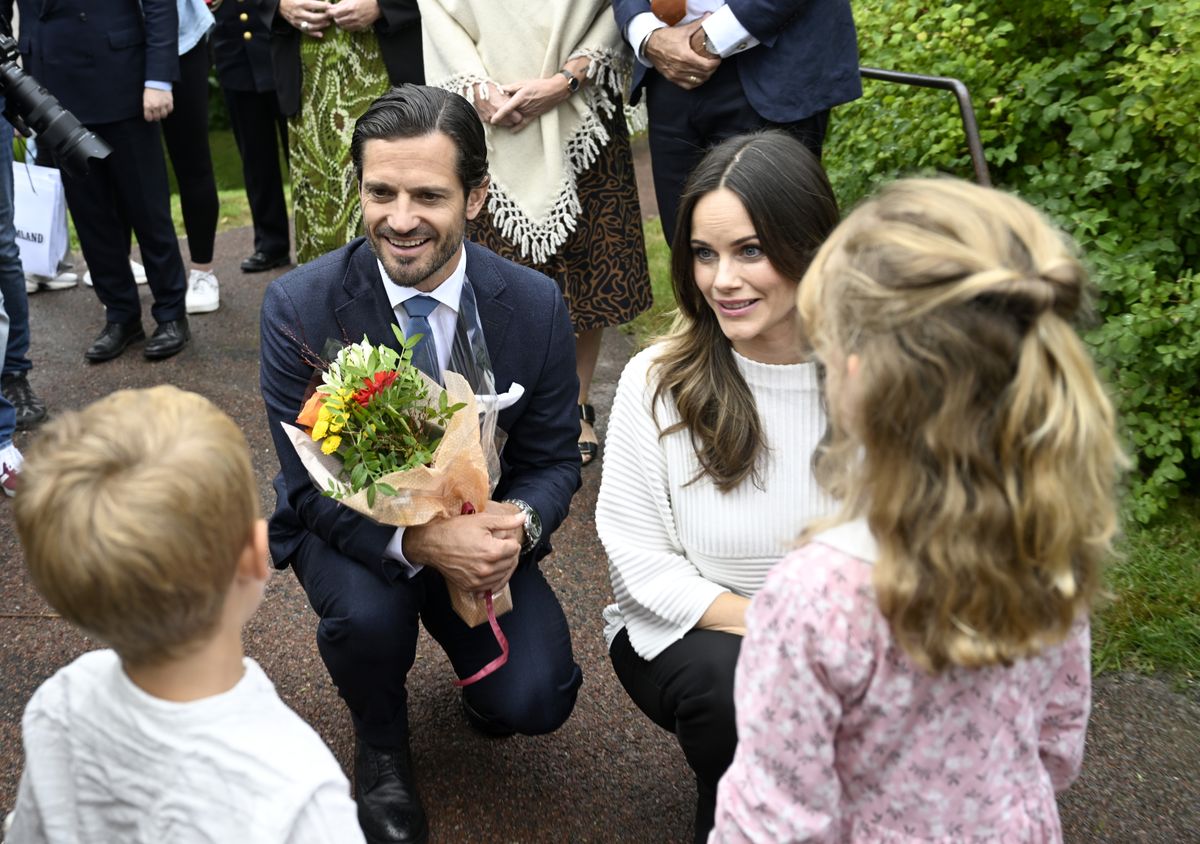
[342, 74]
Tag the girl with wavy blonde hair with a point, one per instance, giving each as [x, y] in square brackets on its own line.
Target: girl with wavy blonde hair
[931, 648]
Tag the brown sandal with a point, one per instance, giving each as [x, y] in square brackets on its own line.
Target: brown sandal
[588, 450]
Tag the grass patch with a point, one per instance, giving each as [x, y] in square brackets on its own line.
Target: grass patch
[1152, 624]
[658, 319]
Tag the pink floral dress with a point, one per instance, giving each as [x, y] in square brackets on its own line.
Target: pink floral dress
[842, 739]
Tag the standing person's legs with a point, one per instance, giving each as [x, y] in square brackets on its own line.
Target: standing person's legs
[143, 195]
[256, 123]
[684, 125]
[688, 690]
[15, 390]
[185, 131]
[104, 231]
[10, 456]
[535, 690]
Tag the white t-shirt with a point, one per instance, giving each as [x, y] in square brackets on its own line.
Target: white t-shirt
[106, 762]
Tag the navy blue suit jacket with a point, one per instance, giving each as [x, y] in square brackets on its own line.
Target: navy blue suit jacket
[807, 61]
[243, 64]
[340, 296]
[96, 57]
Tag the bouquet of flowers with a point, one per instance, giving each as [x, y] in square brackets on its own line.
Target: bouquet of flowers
[383, 439]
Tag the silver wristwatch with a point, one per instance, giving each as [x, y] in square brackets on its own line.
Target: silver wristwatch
[533, 523]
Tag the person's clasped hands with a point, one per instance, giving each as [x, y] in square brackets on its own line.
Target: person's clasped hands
[678, 53]
[313, 17]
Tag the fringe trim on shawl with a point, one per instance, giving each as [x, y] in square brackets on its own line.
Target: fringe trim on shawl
[539, 240]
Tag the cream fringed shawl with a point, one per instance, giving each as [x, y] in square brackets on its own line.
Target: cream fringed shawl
[533, 198]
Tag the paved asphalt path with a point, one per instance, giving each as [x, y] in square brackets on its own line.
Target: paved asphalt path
[608, 774]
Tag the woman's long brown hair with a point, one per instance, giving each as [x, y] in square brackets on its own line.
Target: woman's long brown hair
[793, 209]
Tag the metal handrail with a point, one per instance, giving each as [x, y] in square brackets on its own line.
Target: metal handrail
[944, 83]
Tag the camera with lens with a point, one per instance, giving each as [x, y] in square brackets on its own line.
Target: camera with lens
[30, 107]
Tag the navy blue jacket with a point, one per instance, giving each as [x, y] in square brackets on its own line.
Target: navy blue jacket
[340, 296]
[243, 64]
[807, 61]
[96, 57]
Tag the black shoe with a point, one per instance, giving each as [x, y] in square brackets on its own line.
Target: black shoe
[30, 409]
[114, 339]
[261, 261]
[389, 808]
[482, 725]
[169, 339]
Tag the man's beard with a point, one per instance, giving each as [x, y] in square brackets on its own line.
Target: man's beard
[411, 272]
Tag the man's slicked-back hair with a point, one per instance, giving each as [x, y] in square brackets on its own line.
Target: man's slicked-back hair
[414, 111]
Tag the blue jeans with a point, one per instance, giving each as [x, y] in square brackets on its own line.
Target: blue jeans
[12, 277]
[13, 301]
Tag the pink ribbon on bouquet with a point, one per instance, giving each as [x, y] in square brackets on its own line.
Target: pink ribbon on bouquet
[501, 639]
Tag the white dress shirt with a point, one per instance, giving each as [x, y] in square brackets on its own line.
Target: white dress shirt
[722, 27]
[444, 322]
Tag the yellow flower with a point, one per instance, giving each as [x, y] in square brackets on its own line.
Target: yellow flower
[321, 428]
[331, 444]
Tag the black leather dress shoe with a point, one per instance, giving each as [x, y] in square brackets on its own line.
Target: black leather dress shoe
[169, 339]
[114, 338]
[261, 261]
[389, 808]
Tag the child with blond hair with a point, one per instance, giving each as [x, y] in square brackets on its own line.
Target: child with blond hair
[919, 670]
[140, 524]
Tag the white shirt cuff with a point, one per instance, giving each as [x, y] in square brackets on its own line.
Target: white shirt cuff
[639, 29]
[726, 33]
[395, 551]
[158, 86]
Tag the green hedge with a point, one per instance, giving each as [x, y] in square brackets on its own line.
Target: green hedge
[1089, 110]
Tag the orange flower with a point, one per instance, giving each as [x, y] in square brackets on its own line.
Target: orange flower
[308, 413]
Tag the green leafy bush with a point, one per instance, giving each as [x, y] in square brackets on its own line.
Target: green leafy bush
[1088, 110]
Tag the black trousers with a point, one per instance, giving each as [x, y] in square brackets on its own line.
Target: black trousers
[684, 125]
[368, 632]
[127, 192]
[257, 123]
[186, 132]
[688, 690]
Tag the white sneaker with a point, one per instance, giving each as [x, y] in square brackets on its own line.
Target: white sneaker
[139, 274]
[10, 468]
[203, 293]
[35, 283]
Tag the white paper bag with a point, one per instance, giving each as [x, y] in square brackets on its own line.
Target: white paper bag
[40, 217]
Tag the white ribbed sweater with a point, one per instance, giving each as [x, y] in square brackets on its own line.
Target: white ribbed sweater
[673, 547]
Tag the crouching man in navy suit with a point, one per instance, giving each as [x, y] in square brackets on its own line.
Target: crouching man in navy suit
[422, 169]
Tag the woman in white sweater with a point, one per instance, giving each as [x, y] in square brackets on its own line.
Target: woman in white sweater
[708, 478]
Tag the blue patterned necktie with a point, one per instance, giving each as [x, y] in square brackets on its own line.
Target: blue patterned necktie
[424, 356]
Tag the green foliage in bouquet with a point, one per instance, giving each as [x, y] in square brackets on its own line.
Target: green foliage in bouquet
[374, 411]
[1087, 109]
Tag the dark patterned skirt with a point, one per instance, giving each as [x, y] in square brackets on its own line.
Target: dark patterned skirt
[601, 268]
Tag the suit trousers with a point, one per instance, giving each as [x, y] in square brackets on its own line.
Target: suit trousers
[688, 690]
[185, 131]
[368, 632]
[684, 125]
[257, 123]
[127, 192]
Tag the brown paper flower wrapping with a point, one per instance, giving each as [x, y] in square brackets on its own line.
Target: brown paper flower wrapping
[458, 475]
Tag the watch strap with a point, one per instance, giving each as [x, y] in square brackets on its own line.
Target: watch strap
[572, 80]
